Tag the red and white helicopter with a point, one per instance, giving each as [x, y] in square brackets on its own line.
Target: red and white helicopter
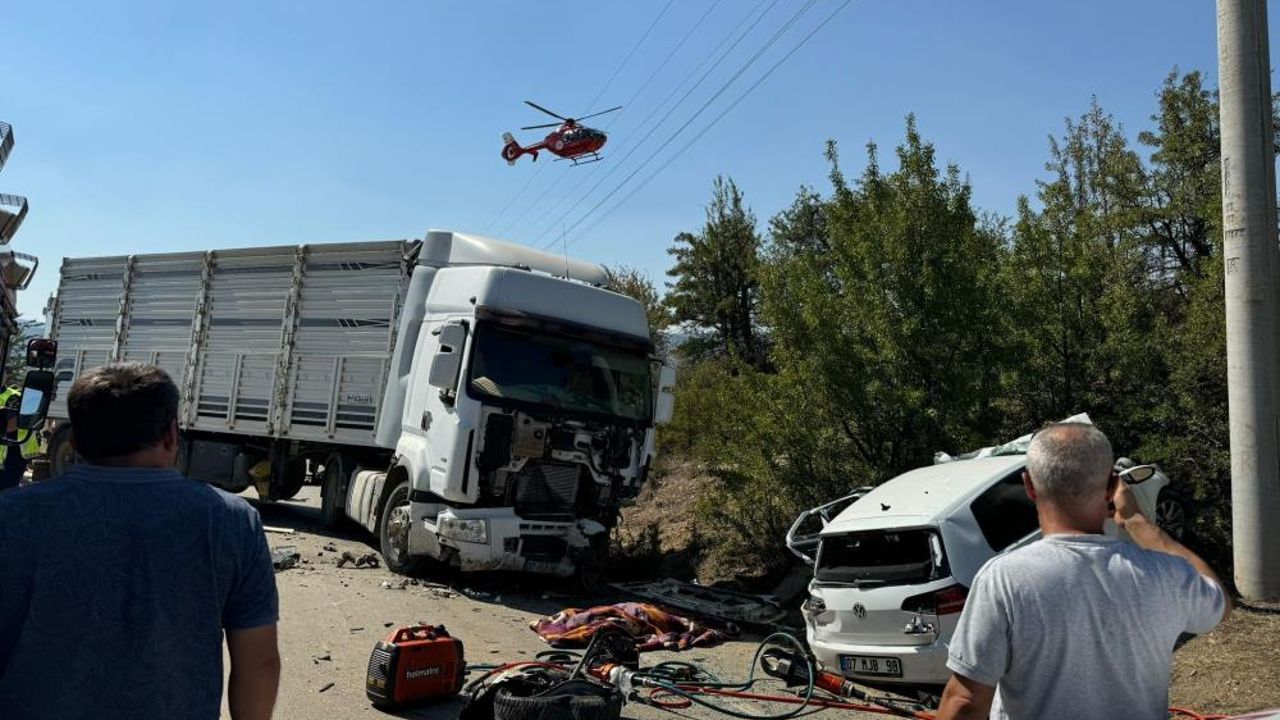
[569, 140]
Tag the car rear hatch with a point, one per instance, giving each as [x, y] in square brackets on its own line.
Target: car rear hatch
[870, 585]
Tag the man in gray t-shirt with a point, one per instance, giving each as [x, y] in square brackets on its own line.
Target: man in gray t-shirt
[1078, 625]
[120, 578]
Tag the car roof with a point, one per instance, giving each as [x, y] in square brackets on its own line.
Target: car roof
[924, 496]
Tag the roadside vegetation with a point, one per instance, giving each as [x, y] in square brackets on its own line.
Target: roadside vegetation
[883, 318]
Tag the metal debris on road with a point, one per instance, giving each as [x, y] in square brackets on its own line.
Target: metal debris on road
[285, 557]
[281, 530]
[327, 686]
[395, 585]
[369, 560]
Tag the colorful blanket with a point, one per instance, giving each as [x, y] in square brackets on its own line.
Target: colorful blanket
[652, 627]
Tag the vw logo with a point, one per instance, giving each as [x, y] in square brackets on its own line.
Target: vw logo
[859, 611]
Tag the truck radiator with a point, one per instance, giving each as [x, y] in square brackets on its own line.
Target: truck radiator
[544, 488]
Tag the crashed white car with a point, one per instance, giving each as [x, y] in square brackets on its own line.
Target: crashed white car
[892, 569]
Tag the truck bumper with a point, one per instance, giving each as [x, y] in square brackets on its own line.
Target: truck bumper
[511, 542]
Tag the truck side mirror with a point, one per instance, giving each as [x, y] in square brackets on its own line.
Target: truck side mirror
[448, 359]
[42, 353]
[665, 407]
[37, 390]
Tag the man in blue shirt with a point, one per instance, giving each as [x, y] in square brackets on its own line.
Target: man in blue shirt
[119, 578]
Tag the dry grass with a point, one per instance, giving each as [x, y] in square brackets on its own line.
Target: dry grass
[659, 528]
[1235, 668]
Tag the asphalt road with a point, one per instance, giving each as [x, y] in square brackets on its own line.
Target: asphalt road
[330, 618]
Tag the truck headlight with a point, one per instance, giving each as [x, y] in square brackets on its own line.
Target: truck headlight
[475, 530]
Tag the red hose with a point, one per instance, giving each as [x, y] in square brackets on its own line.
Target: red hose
[1175, 712]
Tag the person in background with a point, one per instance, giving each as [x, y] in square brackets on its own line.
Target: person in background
[1079, 624]
[120, 579]
[14, 457]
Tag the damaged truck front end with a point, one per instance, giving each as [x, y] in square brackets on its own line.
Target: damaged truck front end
[521, 453]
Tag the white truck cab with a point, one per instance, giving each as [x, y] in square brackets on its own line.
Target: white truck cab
[521, 408]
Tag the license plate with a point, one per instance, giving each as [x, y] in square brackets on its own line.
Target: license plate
[868, 665]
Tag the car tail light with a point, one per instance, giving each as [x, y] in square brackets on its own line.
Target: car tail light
[947, 601]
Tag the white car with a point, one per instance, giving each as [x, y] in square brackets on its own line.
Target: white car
[892, 569]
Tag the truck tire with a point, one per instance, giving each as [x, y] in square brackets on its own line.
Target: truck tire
[333, 489]
[295, 476]
[393, 532]
[62, 454]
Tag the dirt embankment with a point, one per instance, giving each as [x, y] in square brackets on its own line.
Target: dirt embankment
[658, 534]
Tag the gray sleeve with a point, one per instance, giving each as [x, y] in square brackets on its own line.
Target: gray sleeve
[252, 601]
[1203, 600]
[979, 647]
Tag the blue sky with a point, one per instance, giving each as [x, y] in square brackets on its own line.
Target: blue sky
[162, 126]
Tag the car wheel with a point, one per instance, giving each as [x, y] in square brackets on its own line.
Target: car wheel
[1172, 513]
[393, 532]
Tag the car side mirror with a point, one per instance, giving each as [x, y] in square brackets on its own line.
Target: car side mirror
[448, 359]
[665, 408]
[1138, 474]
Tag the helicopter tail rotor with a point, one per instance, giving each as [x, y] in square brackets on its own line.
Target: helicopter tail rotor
[511, 149]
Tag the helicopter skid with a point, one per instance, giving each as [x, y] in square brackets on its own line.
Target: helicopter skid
[583, 159]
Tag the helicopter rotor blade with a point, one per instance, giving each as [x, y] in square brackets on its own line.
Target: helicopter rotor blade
[602, 112]
[537, 127]
[536, 106]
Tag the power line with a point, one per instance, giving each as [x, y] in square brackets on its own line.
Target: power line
[631, 151]
[667, 59]
[515, 222]
[513, 198]
[591, 105]
[714, 120]
[573, 192]
[750, 61]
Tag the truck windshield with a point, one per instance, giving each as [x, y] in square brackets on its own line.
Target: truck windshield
[560, 372]
[881, 557]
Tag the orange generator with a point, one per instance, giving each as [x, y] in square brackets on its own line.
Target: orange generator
[413, 664]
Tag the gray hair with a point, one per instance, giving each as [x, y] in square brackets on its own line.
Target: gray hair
[1070, 461]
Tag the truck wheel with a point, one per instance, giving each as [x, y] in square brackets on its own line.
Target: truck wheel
[1173, 513]
[333, 489]
[61, 453]
[295, 476]
[393, 532]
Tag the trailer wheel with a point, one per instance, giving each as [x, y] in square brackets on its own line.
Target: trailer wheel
[333, 489]
[62, 454]
[295, 476]
[393, 532]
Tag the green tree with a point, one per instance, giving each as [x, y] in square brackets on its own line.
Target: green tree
[715, 289]
[1079, 286]
[15, 365]
[893, 323]
[635, 283]
[1184, 204]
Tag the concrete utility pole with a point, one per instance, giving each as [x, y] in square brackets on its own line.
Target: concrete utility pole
[1252, 263]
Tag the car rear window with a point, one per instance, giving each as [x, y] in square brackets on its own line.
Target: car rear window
[882, 557]
[1004, 512]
